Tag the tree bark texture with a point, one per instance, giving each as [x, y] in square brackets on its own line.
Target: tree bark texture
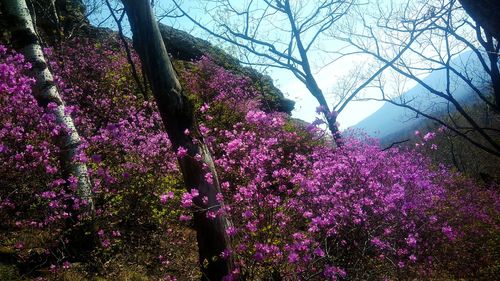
[25, 40]
[177, 116]
[485, 13]
[493, 57]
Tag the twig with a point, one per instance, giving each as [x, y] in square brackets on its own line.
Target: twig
[395, 143]
[118, 21]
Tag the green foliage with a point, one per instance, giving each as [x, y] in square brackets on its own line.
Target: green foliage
[10, 272]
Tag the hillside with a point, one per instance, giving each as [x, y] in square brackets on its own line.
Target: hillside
[390, 120]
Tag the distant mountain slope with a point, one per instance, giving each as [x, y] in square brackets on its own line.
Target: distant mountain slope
[391, 119]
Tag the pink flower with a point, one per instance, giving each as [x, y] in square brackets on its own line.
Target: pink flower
[320, 109]
[448, 232]
[164, 197]
[187, 198]
[53, 268]
[293, 257]
[185, 218]
[19, 245]
[429, 136]
[209, 178]
[413, 258]
[105, 243]
[204, 130]
[411, 241]
[231, 230]
[181, 152]
[211, 215]
[318, 252]
[204, 108]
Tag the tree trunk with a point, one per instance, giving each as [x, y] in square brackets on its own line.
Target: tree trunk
[177, 116]
[485, 13]
[25, 40]
[331, 117]
[495, 79]
[493, 56]
[309, 80]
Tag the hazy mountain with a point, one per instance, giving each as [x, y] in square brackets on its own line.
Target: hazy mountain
[391, 119]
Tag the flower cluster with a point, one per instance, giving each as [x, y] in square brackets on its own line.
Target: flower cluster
[29, 168]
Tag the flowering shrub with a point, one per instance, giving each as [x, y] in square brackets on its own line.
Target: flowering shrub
[299, 208]
[135, 177]
[124, 146]
[27, 150]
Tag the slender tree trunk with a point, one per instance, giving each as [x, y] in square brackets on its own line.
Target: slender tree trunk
[331, 117]
[177, 116]
[25, 40]
[310, 82]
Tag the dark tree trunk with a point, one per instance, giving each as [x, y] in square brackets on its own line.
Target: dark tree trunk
[309, 80]
[495, 78]
[177, 116]
[493, 56]
[331, 117]
[485, 13]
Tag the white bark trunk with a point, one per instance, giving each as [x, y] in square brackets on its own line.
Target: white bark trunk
[45, 91]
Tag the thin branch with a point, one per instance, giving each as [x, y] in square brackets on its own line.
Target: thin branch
[118, 21]
[394, 144]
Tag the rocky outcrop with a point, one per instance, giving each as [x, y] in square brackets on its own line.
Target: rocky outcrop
[183, 46]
